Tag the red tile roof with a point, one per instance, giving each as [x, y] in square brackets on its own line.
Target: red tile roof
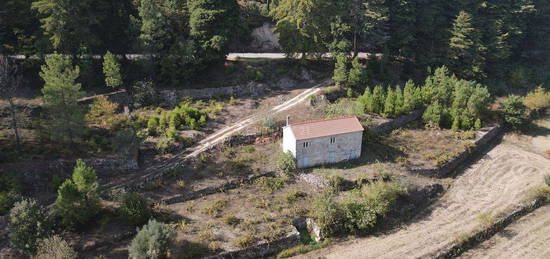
[324, 128]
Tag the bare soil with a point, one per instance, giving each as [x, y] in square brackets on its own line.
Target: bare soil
[499, 181]
[526, 238]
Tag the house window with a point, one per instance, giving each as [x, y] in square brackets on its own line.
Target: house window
[332, 140]
[305, 144]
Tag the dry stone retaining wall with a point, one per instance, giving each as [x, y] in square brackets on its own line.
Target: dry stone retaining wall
[263, 248]
[478, 237]
[447, 168]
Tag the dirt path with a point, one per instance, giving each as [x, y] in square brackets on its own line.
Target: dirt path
[214, 139]
[498, 181]
[527, 238]
[220, 135]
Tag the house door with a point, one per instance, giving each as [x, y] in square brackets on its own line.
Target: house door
[331, 157]
[305, 162]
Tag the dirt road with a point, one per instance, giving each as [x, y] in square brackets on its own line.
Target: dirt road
[498, 181]
[215, 138]
[222, 134]
[527, 238]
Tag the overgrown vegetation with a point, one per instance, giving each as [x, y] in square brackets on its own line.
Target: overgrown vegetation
[359, 212]
[152, 241]
[134, 209]
[28, 223]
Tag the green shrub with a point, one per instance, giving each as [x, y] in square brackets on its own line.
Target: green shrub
[144, 94]
[55, 247]
[547, 179]
[294, 195]
[287, 163]
[328, 214]
[28, 223]
[9, 193]
[152, 241]
[335, 182]
[152, 125]
[77, 199]
[270, 184]
[513, 111]
[249, 149]
[165, 145]
[135, 209]
[56, 182]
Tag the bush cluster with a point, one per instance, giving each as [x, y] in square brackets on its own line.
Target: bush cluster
[135, 209]
[28, 223]
[287, 163]
[389, 102]
[152, 241]
[9, 193]
[359, 212]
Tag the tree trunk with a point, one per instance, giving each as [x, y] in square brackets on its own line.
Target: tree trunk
[14, 123]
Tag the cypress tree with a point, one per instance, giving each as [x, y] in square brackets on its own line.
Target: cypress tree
[60, 95]
[365, 100]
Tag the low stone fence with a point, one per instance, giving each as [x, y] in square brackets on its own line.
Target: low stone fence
[120, 97]
[398, 122]
[482, 235]
[232, 184]
[263, 248]
[250, 89]
[479, 144]
[38, 174]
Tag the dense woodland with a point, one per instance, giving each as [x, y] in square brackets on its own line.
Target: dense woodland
[501, 42]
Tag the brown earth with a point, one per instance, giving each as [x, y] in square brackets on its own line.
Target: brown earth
[527, 238]
[499, 181]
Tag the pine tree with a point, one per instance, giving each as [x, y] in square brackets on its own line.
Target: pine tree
[378, 99]
[357, 74]
[68, 23]
[60, 95]
[389, 104]
[409, 102]
[456, 123]
[477, 124]
[111, 70]
[340, 70]
[154, 26]
[399, 101]
[77, 198]
[365, 100]
[466, 52]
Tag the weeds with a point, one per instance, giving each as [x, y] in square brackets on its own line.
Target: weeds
[244, 240]
[216, 208]
[486, 219]
[294, 195]
[180, 183]
[271, 184]
[231, 220]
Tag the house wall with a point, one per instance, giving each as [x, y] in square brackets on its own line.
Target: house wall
[289, 141]
[321, 151]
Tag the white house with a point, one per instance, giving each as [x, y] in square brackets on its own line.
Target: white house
[323, 141]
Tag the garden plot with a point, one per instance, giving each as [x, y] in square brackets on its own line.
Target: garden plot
[428, 148]
[499, 181]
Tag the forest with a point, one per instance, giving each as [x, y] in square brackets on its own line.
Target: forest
[503, 43]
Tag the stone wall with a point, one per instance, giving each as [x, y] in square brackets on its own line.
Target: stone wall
[232, 184]
[263, 248]
[476, 238]
[398, 122]
[250, 89]
[120, 97]
[480, 143]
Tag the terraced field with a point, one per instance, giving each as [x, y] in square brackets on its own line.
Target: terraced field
[499, 181]
[527, 238]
